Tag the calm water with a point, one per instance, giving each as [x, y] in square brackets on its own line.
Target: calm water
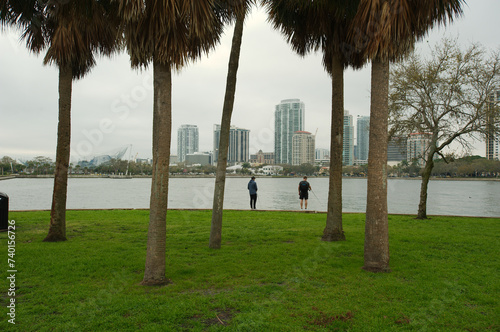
[466, 198]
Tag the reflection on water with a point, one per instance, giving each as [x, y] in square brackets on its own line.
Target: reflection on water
[468, 198]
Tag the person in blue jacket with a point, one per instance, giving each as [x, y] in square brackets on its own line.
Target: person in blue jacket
[252, 189]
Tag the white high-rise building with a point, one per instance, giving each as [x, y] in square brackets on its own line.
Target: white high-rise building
[302, 148]
[187, 141]
[348, 146]
[239, 145]
[362, 137]
[288, 118]
[492, 139]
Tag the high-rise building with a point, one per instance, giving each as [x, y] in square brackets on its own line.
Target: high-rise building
[417, 147]
[362, 137]
[187, 141]
[492, 139]
[288, 118]
[302, 148]
[348, 146]
[397, 149]
[239, 145]
[322, 154]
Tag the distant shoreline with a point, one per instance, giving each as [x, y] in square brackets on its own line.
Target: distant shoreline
[229, 176]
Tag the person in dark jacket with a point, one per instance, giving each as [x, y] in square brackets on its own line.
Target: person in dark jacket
[304, 188]
[252, 189]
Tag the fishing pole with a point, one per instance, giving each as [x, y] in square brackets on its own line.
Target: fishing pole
[316, 196]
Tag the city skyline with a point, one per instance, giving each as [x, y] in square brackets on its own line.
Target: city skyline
[112, 106]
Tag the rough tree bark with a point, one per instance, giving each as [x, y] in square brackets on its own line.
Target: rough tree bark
[227, 110]
[154, 273]
[333, 230]
[376, 251]
[426, 175]
[57, 229]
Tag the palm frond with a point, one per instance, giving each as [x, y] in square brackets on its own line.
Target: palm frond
[73, 32]
[310, 25]
[174, 32]
[389, 28]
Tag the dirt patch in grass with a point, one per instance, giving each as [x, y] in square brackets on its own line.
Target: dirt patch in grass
[222, 317]
[325, 319]
[403, 319]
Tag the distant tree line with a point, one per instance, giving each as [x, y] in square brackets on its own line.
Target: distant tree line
[466, 167]
[470, 167]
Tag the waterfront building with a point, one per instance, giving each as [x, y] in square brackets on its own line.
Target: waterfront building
[348, 141]
[492, 139]
[302, 148]
[262, 158]
[362, 139]
[417, 147]
[199, 158]
[288, 118]
[239, 145]
[174, 159]
[271, 169]
[187, 141]
[322, 157]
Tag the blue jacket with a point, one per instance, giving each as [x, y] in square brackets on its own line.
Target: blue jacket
[252, 187]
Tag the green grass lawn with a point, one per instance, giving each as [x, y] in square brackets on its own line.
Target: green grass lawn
[273, 273]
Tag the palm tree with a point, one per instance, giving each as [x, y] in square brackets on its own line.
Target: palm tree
[73, 32]
[384, 31]
[167, 34]
[309, 26]
[227, 110]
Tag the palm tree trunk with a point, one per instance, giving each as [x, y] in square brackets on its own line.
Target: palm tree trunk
[333, 230]
[376, 252]
[57, 229]
[426, 175]
[220, 179]
[154, 273]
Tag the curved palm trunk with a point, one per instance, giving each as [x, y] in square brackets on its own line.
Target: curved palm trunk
[57, 229]
[376, 252]
[426, 175]
[154, 273]
[220, 180]
[333, 229]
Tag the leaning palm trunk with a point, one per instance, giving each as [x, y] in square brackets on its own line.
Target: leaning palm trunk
[220, 180]
[376, 252]
[333, 230]
[154, 273]
[426, 175]
[57, 229]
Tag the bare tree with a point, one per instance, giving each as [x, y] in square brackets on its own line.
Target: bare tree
[448, 96]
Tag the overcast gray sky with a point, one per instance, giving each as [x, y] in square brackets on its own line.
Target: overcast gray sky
[112, 106]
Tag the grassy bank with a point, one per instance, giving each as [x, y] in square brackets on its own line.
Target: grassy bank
[272, 274]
